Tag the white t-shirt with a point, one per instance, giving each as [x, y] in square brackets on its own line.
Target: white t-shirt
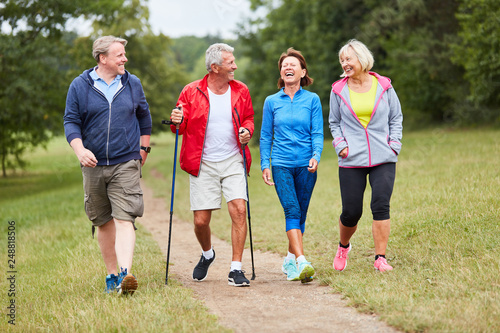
[220, 141]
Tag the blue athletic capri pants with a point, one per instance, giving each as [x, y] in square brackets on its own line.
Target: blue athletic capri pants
[294, 187]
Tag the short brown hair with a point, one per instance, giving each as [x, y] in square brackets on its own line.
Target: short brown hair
[291, 52]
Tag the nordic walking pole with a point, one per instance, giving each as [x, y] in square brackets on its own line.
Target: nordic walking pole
[169, 122]
[248, 210]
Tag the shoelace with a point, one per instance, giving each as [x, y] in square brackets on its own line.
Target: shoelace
[383, 262]
[290, 265]
[343, 252]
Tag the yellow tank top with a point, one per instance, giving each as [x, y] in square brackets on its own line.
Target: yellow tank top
[363, 103]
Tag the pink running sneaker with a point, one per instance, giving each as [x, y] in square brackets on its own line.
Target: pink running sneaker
[382, 265]
[340, 261]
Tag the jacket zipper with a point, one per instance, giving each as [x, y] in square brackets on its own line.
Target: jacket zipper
[204, 134]
[366, 129]
[109, 117]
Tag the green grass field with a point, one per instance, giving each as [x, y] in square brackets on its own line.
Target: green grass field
[444, 245]
[59, 284]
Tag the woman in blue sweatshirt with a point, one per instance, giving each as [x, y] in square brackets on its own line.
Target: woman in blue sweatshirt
[291, 141]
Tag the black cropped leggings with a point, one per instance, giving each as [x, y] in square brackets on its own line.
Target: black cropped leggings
[352, 189]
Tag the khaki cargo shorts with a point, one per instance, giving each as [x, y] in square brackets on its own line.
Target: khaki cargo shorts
[113, 191]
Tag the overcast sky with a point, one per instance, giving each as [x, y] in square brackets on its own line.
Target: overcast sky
[176, 18]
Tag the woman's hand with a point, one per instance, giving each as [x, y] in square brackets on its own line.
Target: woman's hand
[313, 165]
[266, 175]
[344, 152]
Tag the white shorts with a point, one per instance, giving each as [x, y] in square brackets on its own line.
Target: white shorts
[216, 178]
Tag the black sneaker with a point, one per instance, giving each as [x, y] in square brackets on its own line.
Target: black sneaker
[237, 278]
[201, 269]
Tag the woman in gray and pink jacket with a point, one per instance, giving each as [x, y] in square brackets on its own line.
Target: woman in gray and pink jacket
[366, 123]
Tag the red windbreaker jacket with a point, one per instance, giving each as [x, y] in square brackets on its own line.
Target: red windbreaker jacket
[196, 107]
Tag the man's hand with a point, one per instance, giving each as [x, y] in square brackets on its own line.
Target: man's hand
[177, 114]
[85, 156]
[144, 155]
[244, 136]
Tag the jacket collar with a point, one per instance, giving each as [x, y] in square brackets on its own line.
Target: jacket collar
[282, 92]
[86, 76]
[385, 82]
[234, 84]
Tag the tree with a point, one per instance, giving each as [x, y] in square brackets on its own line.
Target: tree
[317, 28]
[39, 58]
[150, 58]
[411, 40]
[32, 75]
[478, 51]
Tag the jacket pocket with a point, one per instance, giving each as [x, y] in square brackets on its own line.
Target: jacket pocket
[389, 145]
[95, 141]
[132, 192]
[119, 142]
[134, 203]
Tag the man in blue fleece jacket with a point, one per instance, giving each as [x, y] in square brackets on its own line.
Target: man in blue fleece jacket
[108, 124]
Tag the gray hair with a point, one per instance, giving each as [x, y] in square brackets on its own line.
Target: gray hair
[364, 55]
[102, 45]
[214, 54]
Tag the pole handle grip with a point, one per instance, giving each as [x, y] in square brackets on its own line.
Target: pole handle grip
[169, 122]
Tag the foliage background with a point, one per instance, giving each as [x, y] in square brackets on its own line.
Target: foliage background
[442, 56]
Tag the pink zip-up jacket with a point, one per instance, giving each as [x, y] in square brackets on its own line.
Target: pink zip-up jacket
[380, 141]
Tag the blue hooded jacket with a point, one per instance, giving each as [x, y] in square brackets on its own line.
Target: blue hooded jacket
[110, 131]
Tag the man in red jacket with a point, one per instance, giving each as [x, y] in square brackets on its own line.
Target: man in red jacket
[215, 116]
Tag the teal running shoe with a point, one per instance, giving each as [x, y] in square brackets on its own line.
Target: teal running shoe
[306, 272]
[290, 266]
[283, 267]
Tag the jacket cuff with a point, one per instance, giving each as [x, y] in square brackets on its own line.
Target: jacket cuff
[73, 136]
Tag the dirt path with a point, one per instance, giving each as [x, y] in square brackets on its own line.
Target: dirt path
[270, 304]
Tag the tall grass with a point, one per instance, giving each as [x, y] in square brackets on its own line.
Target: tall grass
[60, 274]
[445, 239]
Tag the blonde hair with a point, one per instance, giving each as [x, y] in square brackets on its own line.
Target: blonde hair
[102, 45]
[364, 55]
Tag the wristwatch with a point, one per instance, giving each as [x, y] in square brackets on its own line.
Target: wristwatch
[146, 149]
